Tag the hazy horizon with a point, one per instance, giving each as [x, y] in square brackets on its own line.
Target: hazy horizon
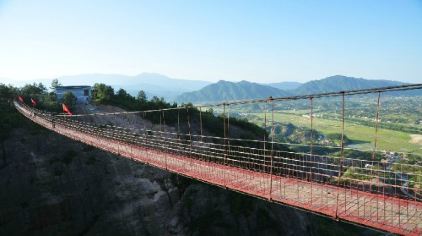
[46, 81]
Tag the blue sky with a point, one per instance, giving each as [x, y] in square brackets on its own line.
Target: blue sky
[262, 41]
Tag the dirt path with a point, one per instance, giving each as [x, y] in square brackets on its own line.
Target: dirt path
[416, 139]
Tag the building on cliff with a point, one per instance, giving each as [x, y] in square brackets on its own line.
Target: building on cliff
[81, 92]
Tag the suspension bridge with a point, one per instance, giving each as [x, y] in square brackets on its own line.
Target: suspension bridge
[380, 195]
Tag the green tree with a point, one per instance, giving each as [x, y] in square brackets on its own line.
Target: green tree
[121, 93]
[55, 83]
[142, 97]
[102, 93]
[69, 99]
[33, 90]
[9, 118]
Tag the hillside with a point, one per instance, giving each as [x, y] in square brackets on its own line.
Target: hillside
[340, 82]
[225, 91]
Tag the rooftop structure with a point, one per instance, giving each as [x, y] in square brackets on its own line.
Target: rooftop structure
[81, 92]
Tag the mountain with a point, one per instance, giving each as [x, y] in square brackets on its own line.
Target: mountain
[286, 85]
[339, 83]
[225, 91]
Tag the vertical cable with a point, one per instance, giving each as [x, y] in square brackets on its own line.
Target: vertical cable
[228, 132]
[311, 114]
[201, 132]
[342, 145]
[225, 143]
[164, 121]
[312, 127]
[178, 124]
[376, 126]
[224, 133]
[189, 126]
[200, 122]
[145, 126]
[341, 152]
[375, 143]
[272, 147]
[342, 139]
[312, 142]
[161, 125]
[265, 137]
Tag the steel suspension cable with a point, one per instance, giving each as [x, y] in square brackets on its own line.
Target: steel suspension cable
[404, 87]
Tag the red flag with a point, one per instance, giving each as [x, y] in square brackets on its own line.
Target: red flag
[21, 99]
[34, 103]
[66, 109]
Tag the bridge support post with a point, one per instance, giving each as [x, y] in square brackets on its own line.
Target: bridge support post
[225, 143]
[272, 148]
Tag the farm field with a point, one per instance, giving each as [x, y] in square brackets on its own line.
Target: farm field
[362, 136]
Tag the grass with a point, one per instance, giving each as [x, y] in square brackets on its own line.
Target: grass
[389, 140]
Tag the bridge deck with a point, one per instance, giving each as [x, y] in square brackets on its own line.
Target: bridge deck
[391, 214]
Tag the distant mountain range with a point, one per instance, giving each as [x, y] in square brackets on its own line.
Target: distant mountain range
[223, 90]
[340, 82]
[197, 91]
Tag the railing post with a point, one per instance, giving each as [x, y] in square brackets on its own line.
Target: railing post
[225, 144]
[224, 133]
[312, 142]
[336, 215]
[162, 131]
[341, 152]
[190, 137]
[200, 122]
[270, 100]
[376, 126]
[53, 124]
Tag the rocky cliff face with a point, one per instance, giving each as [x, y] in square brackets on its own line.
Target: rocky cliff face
[51, 185]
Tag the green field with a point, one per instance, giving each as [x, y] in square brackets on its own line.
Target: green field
[362, 136]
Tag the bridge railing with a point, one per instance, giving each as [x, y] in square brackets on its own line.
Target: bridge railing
[400, 180]
[264, 163]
